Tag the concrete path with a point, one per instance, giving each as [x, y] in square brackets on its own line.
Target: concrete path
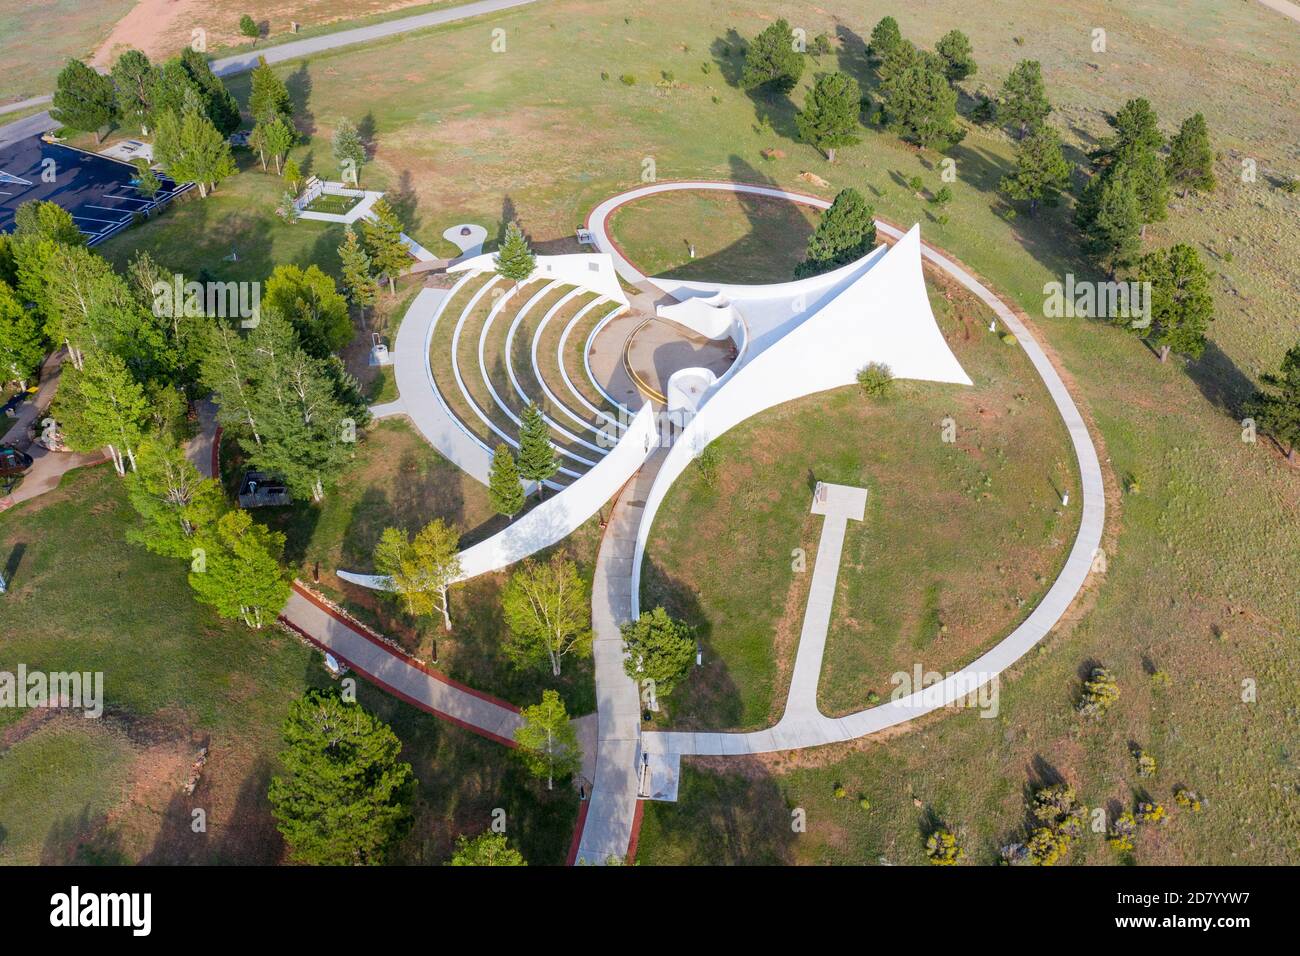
[608, 827]
[419, 400]
[396, 672]
[282, 52]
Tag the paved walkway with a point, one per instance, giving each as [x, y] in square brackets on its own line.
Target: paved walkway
[282, 52]
[398, 673]
[607, 829]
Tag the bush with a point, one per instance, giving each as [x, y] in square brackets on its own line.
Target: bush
[627, 79]
[942, 197]
[1121, 833]
[942, 848]
[1100, 691]
[604, 74]
[1008, 338]
[916, 184]
[1188, 799]
[1146, 764]
[1149, 812]
[667, 75]
[706, 67]
[876, 379]
[707, 462]
[840, 792]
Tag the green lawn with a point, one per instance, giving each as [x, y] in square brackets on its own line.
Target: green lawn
[36, 40]
[1202, 562]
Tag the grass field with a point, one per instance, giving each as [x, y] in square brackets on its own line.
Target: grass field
[1201, 578]
[38, 36]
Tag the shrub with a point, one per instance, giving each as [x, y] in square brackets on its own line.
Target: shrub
[916, 184]
[1146, 764]
[706, 67]
[840, 792]
[668, 76]
[876, 379]
[1061, 816]
[1188, 799]
[1160, 679]
[1149, 812]
[1099, 692]
[707, 462]
[1008, 338]
[604, 74]
[942, 848]
[627, 79]
[1121, 833]
[942, 197]
[864, 803]
[1292, 185]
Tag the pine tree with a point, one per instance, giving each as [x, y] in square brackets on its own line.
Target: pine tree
[920, 105]
[84, 99]
[134, 77]
[829, 118]
[1023, 100]
[885, 37]
[548, 744]
[349, 151]
[537, 458]
[505, 490]
[659, 649]
[361, 287]
[515, 261]
[1042, 171]
[218, 103]
[1136, 147]
[1182, 305]
[268, 96]
[1111, 218]
[382, 236]
[1191, 161]
[1276, 406]
[772, 62]
[249, 28]
[345, 795]
[845, 233]
[421, 571]
[954, 48]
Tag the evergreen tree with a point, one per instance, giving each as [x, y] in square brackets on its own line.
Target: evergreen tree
[345, 796]
[382, 236]
[505, 490]
[537, 459]
[954, 48]
[920, 105]
[845, 233]
[249, 28]
[421, 571]
[515, 261]
[172, 89]
[218, 102]
[547, 741]
[885, 37]
[349, 151]
[101, 406]
[268, 96]
[134, 78]
[279, 137]
[659, 649]
[1136, 147]
[361, 287]
[84, 99]
[772, 62]
[486, 849]
[176, 504]
[1042, 171]
[546, 607]
[1276, 406]
[1110, 218]
[829, 118]
[1191, 161]
[1022, 104]
[1182, 305]
[309, 299]
[22, 342]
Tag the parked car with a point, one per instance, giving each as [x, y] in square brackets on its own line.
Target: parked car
[13, 462]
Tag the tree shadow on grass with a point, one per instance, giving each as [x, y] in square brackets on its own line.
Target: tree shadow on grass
[82, 838]
[299, 84]
[770, 108]
[1224, 385]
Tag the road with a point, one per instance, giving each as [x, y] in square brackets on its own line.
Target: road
[279, 53]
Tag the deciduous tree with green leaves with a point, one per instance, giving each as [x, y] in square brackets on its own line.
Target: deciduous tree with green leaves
[101, 406]
[176, 503]
[505, 490]
[537, 458]
[309, 299]
[1042, 171]
[421, 571]
[1022, 103]
[238, 570]
[1276, 406]
[659, 649]
[1182, 305]
[345, 795]
[829, 118]
[772, 61]
[22, 341]
[84, 99]
[191, 149]
[845, 233]
[547, 610]
[382, 236]
[249, 28]
[548, 744]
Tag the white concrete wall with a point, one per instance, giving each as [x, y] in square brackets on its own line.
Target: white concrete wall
[883, 316]
[591, 270]
[557, 517]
